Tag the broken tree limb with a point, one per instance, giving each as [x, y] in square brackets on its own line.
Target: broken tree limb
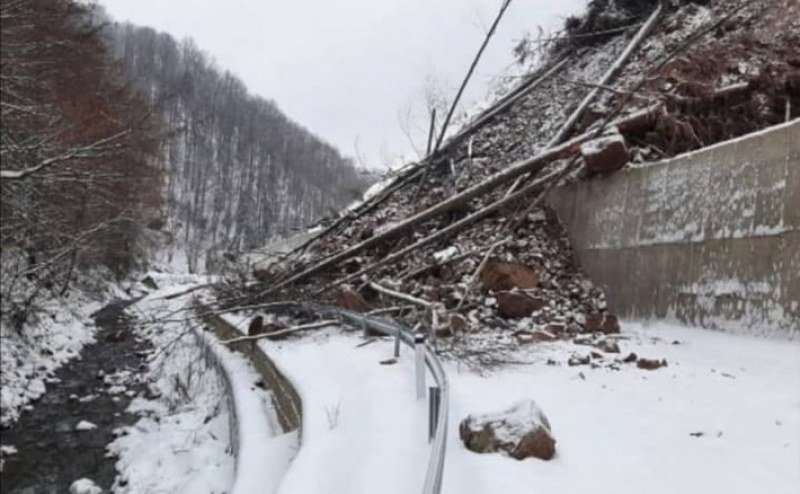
[389, 310]
[565, 129]
[451, 229]
[79, 152]
[531, 82]
[534, 163]
[609, 89]
[399, 182]
[431, 130]
[186, 292]
[472, 66]
[478, 270]
[437, 264]
[283, 332]
[505, 102]
[399, 295]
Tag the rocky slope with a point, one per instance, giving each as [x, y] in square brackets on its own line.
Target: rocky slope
[707, 71]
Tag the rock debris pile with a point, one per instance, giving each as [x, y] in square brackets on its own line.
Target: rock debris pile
[497, 264]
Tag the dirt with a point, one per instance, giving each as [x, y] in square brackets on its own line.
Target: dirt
[51, 453]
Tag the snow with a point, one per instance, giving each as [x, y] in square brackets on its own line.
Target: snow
[55, 335]
[84, 486]
[85, 425]
[724, 416]
[509, 426]
[445, 255]
[622, 431]
[263, 454]
[363, 429]
[208, 426]
[181, 443]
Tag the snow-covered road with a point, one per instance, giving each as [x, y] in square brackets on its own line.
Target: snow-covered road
[724, 416]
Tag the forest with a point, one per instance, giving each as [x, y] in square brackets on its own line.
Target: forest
[238, 170]
[121, 146]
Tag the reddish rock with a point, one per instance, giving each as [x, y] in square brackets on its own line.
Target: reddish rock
[557, 329]
[543, 336]
[538, 443]
[522, 432]
[593, 322]
[605, 154]
[499, 276]
[631, 358]
[610, 324]
[512, 305]
[347, 298]
[650, 364]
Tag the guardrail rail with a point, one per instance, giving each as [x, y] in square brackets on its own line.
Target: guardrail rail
[439, 407]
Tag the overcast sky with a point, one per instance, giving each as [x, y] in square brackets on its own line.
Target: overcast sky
[348, 69]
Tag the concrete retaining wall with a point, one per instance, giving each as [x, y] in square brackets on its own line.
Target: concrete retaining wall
[710, 238]
[286, 401]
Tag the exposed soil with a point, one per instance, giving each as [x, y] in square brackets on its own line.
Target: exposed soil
[51, 453]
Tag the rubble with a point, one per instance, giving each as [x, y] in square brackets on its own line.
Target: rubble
[650, 364]
[518, 304]
[521, 255]
[499, 276]
[349, 299]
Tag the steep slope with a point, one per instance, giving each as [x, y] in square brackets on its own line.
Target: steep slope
[238, 170]
[707, 71]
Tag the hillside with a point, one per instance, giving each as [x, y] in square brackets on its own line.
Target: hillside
[238, 171]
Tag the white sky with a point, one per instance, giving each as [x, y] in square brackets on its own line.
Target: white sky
[347, 69]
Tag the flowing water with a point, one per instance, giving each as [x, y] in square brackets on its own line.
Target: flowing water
[51, 452]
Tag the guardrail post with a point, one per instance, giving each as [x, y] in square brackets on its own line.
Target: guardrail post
[397, 344]
[434, 398]
[419, 349]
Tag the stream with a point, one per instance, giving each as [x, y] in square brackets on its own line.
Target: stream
[96, 387]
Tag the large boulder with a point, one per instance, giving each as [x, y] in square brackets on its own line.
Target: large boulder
[610, 324]
[513, 305]
[522, 431]
[501, 275]
[605, 154]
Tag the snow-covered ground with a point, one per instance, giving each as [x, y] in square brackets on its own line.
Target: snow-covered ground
[52, 336]
[723, 416]
[182, 441]
[363, 429]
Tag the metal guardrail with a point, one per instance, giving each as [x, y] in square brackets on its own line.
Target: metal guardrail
[439, 413]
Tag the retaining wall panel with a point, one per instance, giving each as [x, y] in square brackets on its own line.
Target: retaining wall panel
[710, 238]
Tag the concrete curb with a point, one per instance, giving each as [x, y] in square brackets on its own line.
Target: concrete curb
[262, 454]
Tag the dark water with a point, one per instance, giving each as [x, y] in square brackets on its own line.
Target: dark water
[52, 454]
